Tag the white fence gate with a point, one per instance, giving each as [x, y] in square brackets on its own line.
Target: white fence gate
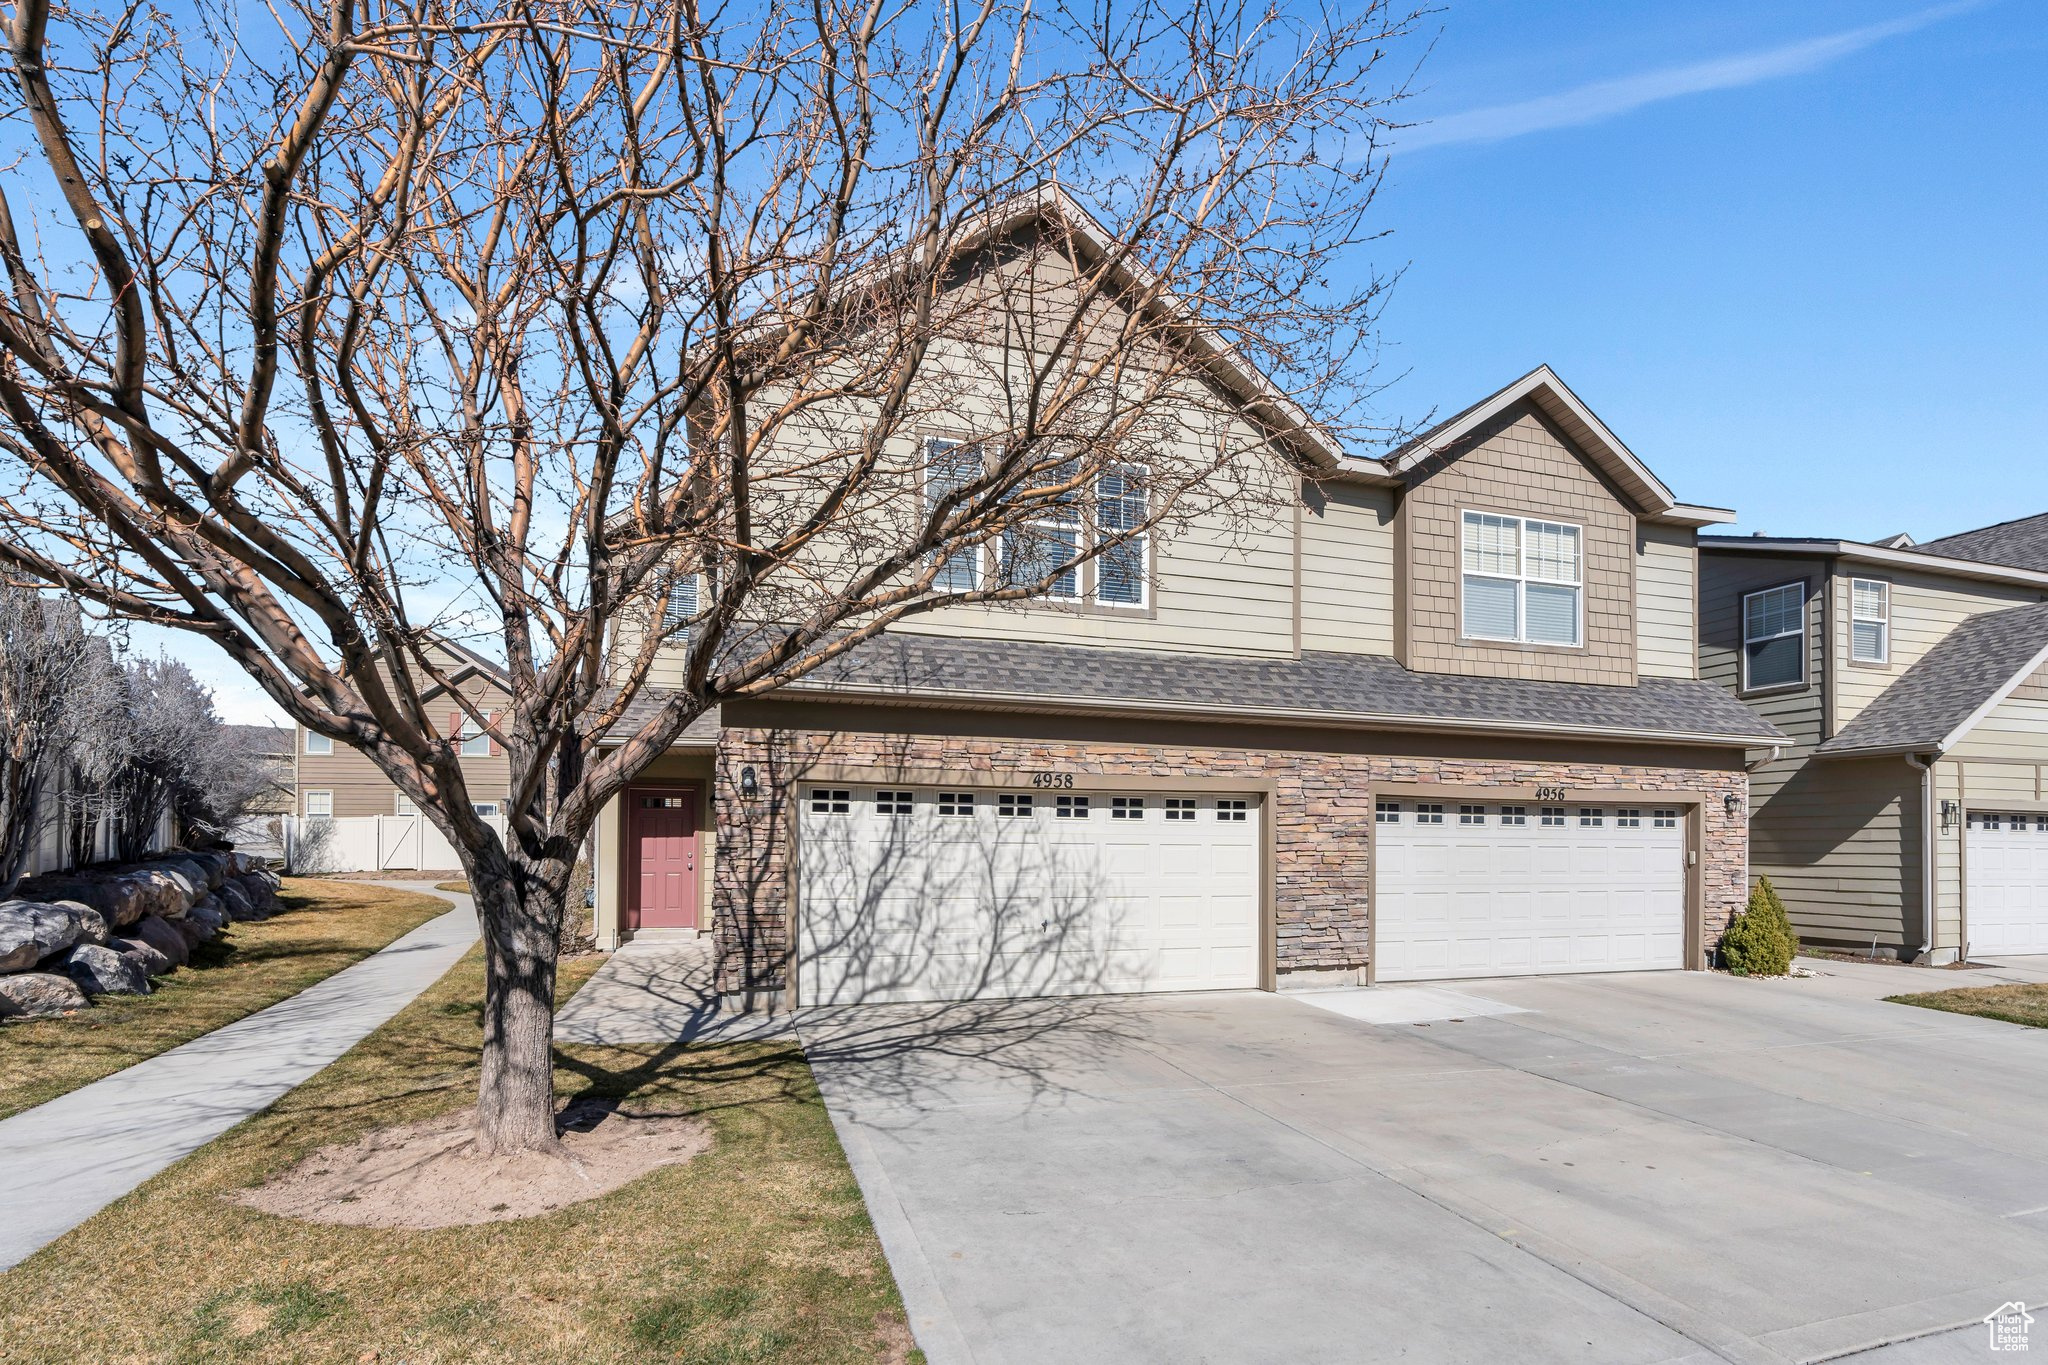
[371, 843]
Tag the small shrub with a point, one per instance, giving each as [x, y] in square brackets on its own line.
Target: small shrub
[1760, 942]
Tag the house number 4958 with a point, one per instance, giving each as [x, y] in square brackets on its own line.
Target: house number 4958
[1550, 793]
[1052, 779]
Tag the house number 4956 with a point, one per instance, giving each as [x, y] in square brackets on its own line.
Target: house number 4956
[1550, 793]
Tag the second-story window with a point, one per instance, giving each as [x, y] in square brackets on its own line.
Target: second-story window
[1774, 637]
[1523, 580]
[1870, 621]
[948, 467]
[679, 608]
[471, 739]
[319, 744]
[1120, 510]
[1034, 549]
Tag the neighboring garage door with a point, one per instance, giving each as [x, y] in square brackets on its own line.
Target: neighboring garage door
[930, 893]
[2006, 871]
[1484, 889]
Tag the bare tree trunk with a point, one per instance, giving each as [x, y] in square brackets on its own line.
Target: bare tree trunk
[519, 907]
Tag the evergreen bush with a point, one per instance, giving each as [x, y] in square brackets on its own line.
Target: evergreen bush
[1760, 942]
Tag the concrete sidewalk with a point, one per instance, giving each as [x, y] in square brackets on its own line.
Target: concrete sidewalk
[646, 993]
[72, 1157]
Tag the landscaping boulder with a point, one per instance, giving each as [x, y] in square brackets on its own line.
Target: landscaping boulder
[152, 962]
[218, 865]
[208, 914]
[117, 899]
[240, 904]
[92, 925]
[191, 930]
[102, 971]
[27, 995]
[31, 931]
[157, 932]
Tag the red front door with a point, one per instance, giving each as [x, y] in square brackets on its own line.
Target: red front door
[661, 843]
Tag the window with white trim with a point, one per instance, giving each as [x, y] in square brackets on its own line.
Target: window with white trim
[1553, 817]
[956, 803]
[1120, 510]
[1870, 621]
[471, 739]
[680, 607]
[1033, 549]
[1386, 812]
[1471, 815]
[1591, 817]
[1233, 812]
[319, 805]
[486, 809]
[1180, 808]
[1664, 819]
[892, 802]
[831, 801]
[1070, 808]
[1523, 580]
[319, 744]
[1514, 815]
[1628, 819]
[1429, 814]
[1774, 637]
[950, 466]
[1015, 805]
[1126, 807]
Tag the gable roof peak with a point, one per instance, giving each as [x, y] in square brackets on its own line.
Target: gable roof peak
[1555, 399]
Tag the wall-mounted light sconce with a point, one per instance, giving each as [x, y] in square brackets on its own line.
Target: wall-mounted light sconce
[1950, 810]
[1732, 803]
[750, 782]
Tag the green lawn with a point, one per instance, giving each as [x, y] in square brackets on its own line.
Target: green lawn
[325, 927]
[759, 1250]
[2023, 1004]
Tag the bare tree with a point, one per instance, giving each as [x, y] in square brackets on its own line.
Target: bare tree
[43, 653]
[408, 317]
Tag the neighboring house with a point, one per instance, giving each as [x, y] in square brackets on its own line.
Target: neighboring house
[1437, 716]
[269, 747]
[335, 781]
[1910, 811]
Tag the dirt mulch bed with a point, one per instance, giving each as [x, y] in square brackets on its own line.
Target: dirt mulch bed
[427, 1174]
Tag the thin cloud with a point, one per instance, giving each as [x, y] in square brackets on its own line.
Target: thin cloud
[1625, 94]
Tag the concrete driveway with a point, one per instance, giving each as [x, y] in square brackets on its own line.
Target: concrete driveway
[1643, 1167]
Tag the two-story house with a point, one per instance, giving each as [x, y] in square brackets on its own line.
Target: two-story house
[1909, 813]
[336, 781]
[1438, 715]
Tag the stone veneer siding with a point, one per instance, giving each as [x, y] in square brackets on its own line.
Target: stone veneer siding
[1322, 811]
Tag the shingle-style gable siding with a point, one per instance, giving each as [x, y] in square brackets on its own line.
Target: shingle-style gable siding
[1518, 464]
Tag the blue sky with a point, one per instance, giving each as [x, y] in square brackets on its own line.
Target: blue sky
[1795, 255]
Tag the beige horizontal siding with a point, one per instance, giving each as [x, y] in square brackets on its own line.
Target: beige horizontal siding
[1347, 569]
[1924, 609]
[1667, 601]
[1840, 842]
[360, 786]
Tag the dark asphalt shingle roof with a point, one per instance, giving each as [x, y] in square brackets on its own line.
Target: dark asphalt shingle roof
[1948, 684]
[2021, 544]
[699, 733]
[1316, 688]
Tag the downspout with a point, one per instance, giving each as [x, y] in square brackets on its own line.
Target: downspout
[1926, 767]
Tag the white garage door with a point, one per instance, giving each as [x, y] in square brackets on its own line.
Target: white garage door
[1470, 889]
[934, 894]
[2007, 879]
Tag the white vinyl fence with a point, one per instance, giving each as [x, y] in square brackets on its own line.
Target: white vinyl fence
[370, 843]
[47, 851]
